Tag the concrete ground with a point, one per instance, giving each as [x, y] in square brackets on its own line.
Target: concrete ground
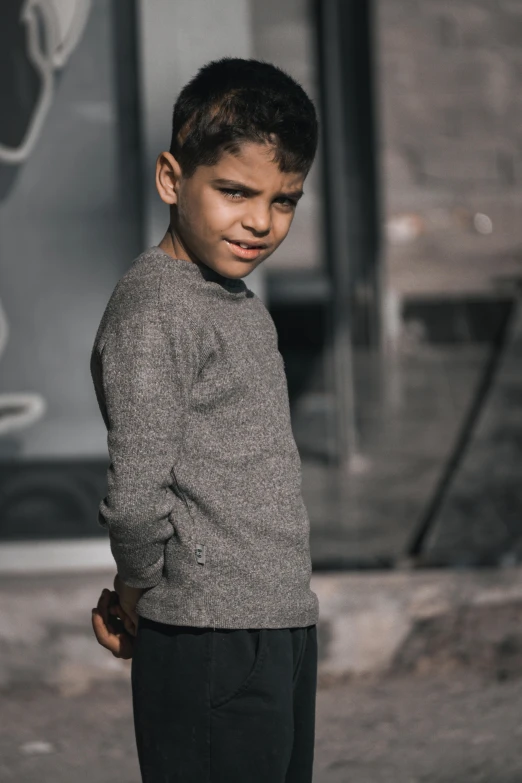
[420, 680]
[456, 728]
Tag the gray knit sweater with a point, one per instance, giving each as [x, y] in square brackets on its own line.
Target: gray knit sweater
[204, 502]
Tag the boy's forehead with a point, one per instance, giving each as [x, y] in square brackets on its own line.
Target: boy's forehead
[254, 165]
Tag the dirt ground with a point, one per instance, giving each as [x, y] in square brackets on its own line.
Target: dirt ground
[457, 728]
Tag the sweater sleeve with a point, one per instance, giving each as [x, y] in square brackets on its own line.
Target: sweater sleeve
[146, 372]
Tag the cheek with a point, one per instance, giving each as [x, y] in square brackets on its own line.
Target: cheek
[216, 216]
[221, 215]
[281, 223]
[196, 219]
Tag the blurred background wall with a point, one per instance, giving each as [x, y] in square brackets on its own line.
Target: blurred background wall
[450, 116]
[448, 82]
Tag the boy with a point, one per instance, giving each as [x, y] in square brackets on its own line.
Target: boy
[207, 524]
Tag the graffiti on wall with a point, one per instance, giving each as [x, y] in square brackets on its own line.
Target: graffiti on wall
[37, 38]
[17, 410]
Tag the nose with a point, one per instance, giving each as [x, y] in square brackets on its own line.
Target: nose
[257, 219]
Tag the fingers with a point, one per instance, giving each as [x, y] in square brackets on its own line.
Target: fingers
[129, 623]
[103, 636]
[120, 645]
[103, 604]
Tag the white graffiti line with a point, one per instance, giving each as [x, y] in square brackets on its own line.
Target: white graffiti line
[4, 330]
[63, 25]
[70, 18]
[19, 409]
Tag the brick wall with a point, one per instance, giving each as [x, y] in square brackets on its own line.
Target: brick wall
[449, 84]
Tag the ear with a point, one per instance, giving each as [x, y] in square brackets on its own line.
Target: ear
[168, 175]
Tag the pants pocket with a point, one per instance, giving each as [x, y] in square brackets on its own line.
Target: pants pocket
[236, 657]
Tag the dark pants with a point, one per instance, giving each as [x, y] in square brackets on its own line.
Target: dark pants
[224, 706]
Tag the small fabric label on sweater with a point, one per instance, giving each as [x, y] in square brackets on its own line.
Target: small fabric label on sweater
[200, 554]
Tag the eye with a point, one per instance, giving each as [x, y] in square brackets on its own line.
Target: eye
[235, 195]
[286, 202]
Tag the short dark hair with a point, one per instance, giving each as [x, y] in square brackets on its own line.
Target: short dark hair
[234, 100]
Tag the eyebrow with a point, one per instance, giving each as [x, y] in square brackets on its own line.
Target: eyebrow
[233, 185]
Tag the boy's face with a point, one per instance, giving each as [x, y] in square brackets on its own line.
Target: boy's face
[232, 215]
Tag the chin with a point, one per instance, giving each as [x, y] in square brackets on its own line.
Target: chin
[236, 270]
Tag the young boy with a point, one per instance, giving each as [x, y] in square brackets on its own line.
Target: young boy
[204, 509]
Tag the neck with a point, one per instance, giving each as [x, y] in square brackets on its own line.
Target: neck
[172, 245]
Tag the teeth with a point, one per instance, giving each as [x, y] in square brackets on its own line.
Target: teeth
[245, 246]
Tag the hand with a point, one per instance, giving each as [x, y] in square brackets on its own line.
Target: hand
[128, 598]
[120, 644]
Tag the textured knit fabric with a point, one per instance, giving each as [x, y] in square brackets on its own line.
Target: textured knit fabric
[203, 503]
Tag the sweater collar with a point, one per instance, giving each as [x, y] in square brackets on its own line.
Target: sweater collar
[206, 277]
[214, 282]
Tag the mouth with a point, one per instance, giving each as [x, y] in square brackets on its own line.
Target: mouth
[248, 250]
